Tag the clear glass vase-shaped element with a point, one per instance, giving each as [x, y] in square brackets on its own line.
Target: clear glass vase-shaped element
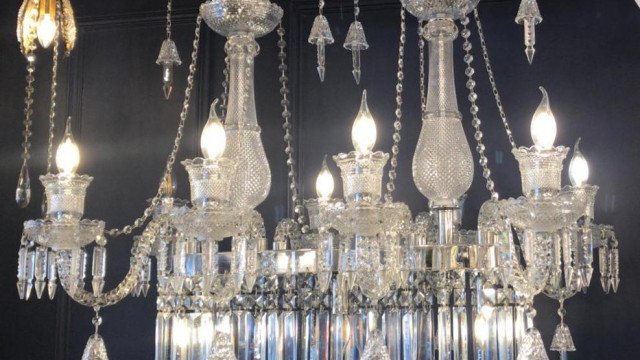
[375, 349]
[442, 163]
[252, 180]
[95, 349]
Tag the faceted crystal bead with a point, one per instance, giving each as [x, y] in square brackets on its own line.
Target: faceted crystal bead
[562, 340]
[321, 31]
[23, 190]
[95, 349]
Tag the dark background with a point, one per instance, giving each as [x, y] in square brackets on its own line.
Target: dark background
[588, 59]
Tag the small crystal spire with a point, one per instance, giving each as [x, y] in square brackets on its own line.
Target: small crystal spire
[23, 189]
[321, 36]
[355, 42]
[529, 16]
[168, 58]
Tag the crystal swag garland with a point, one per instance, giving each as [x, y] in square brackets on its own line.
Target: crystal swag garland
[353, 277]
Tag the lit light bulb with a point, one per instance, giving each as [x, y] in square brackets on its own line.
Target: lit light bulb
[543, 124]
[578, 167]
[363, 132]
[213, 140]
[46, 30]
[68, 153]
[481, 329]
[324, 182]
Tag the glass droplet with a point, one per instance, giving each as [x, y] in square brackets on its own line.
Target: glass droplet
[23, 190]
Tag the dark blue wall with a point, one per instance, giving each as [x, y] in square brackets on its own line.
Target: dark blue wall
[588, 59]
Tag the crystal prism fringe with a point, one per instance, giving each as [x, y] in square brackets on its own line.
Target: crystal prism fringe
[95, 349]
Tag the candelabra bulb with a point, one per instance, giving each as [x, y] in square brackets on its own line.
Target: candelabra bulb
[324, 182]
[68, 154]
[543, 124]
[578, 167]
[213, 140]
[363, 132]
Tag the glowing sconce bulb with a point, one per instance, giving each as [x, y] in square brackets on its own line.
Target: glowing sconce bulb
[363, 132]
[213, 140]
[46, 30]
[481, 329]
[543, 124]
[578, 167]
[324, 182]
[68, 154]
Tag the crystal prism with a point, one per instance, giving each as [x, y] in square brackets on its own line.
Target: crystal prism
[95, 349]
[532, 347]
[355, 42]
[23, 190]
[222, 348]
[375, 349]
[562, 340]
[321, 36]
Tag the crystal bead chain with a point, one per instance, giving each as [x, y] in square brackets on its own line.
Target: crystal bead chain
[23, 188]
[225, 89]
[169, 12]
[473, 97]
[127, 230]
[423, 89]
[492, 80]
[52, 108]
[356, 9]
[289, 150]
[397, 124]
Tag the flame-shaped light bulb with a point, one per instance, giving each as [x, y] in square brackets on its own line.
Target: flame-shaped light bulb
[46, 30]
[324, 182]
[578, 167]
[213, 140]
[364, 132]
[543, 124]
[68, 153]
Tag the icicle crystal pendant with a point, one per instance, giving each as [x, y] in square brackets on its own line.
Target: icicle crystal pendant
[95, 349]
[320, 37]
[168, 58]
[355, 42]
[375, 349]
[23, 189]
[529, 16]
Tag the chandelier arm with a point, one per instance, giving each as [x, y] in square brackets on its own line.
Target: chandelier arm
[139, 222]
[397, 124]
[492, 80]
[140, 256]
[473, 96]
[54, 86]
[289, 149]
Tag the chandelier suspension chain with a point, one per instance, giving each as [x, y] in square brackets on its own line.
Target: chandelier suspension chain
[289, 150]
[128, 229]
[169, 12]
[423, 89]
[397, 124]
[28, 109]
[492, 80]
[225, 89]
[54, 86]
[473, 97]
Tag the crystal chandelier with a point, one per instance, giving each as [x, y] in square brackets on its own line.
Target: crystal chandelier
[356, 277]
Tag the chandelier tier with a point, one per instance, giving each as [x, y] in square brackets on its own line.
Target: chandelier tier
[359, 277]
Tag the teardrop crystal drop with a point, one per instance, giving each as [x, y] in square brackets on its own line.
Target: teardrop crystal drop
[23, 190]
[95, 349]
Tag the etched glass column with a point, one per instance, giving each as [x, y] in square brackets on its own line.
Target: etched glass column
[242, 22]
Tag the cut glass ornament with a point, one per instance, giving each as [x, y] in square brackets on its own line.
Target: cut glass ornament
[562, 340]
[222, 348]
[375, 349]
[355, 42]
[532, 347]
[95, 349]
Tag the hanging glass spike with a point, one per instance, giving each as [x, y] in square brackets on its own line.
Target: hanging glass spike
[168, 56]
[23, 190]
[355, 42]
[375, 349]
[222, 348]
[529, 16]
[532, 347]
[320, 37]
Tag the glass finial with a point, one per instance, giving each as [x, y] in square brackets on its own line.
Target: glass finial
[321, 37]
[529, 16]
